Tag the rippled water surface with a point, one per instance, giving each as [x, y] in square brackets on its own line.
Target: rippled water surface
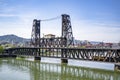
[14, 69]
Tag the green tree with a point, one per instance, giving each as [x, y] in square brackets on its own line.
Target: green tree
[1, 49]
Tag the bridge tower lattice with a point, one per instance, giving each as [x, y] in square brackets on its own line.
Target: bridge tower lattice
[67, 30]
[35, 36]
[67, 34]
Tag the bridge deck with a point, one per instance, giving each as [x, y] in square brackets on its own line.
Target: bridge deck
[104, 55]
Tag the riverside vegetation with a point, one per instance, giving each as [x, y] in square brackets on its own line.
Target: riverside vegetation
[1, 49]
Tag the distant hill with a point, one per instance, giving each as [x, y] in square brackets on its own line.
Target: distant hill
[12, 39]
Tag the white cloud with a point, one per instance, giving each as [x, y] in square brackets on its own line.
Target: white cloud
[82, 30]
[96, 32]
[17, 29]
[8, 15]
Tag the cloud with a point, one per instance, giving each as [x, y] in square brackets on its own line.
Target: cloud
[82, 29]
[8, 15]
[22, 30]
[3, 3]
[95, 31]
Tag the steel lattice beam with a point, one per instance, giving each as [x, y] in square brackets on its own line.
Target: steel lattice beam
[67, 30]
[52, 42]
[103, 55]
[35, 36]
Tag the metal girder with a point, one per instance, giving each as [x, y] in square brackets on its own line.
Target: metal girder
[52, 42]
[35, 36]
[103, 55]
[67, 30]
[67, 34]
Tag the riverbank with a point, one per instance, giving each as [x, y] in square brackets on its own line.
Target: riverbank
[7, 56]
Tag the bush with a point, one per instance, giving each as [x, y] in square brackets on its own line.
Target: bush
[1, 49]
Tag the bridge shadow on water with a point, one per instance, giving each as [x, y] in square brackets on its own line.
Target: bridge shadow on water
[49, 71]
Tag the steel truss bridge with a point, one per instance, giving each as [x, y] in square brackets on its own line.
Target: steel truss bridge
[62, 47]
[104, 55]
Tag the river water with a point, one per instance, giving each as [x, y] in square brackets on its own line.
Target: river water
[52, 69]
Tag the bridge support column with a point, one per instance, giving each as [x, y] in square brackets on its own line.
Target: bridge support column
[117, 67]
[37, 58]
[64, 60]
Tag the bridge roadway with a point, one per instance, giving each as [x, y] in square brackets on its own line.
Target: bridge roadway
[103, 55]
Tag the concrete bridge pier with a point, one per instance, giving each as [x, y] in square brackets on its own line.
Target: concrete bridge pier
[37, 58]
[64, 60]
[117, 67]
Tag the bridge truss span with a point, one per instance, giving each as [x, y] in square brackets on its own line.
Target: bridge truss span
[103, 55]
[52, 42]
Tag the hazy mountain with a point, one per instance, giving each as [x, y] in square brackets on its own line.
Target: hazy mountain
[12, 39]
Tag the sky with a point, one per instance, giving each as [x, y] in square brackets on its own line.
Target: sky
[93, 20]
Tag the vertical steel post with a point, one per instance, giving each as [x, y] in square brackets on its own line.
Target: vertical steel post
[35, 36]
[67, 30]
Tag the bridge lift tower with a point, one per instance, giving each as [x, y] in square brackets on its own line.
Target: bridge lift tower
[67, 30]
[66, 33]
[35, 36]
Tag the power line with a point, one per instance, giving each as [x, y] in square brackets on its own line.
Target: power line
[50, 19]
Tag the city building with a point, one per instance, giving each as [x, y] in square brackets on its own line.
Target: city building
[49, 36]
